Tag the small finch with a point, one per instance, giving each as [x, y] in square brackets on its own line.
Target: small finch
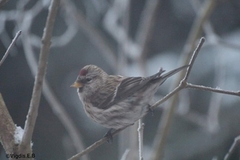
[116, 101]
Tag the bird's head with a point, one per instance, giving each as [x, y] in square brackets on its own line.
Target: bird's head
[89, 80]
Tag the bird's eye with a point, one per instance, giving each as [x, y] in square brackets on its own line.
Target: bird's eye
[88, 79]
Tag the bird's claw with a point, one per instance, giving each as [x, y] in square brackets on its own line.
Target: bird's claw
[109, 136]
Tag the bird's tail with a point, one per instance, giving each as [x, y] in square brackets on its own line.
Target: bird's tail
[172, 72]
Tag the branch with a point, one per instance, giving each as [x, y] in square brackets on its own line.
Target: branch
[234, 145]
[10, 46]
[140, 138]
[166, 120]
[203, 14]
[56, 106]
[217, 90]
[125, 154]
[94, 145]
[34, 104]
[7, 129]
[184, 80]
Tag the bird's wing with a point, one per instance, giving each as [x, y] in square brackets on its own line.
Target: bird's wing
[130, 85]
[126, 88]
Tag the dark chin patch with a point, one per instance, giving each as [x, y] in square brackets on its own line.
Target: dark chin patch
[80, 90]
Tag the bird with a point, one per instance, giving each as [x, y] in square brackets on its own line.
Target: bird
[116, 101]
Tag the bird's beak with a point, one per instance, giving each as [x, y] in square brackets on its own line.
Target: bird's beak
[76, 85]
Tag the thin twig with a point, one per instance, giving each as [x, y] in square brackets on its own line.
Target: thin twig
[217, 90]
[165, 123]
[193, 58]
[34, 104]
[234, 145]
[10, 46]
[177, 89]
[94, 145]
[125, 154]
[183, 82]
[140, 138]
[202, 16]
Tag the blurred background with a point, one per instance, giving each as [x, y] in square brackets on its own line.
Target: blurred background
[127, 37]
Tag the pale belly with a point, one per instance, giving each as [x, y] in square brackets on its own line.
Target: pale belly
[117, 116]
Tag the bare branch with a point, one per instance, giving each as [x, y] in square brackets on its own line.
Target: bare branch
[203, 14]
[10, 46]
[182, 84]
[166, 120]
[34, 104]
[194, 56]
[234, 145]
[140, 138]
[7, 129]
[125, 154]
[94, 145]
[56, 106]
[217, 90]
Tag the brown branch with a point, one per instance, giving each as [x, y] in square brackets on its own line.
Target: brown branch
[7, 129]
[10, 46]
[44, 52]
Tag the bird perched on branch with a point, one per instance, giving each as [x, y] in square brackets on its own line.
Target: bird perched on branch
[116, 101]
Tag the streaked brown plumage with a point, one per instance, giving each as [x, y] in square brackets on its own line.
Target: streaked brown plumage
[116, 101]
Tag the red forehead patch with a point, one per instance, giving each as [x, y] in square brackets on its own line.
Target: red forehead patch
[83, 72]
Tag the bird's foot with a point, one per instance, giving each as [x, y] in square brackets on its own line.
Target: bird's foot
[109, 136]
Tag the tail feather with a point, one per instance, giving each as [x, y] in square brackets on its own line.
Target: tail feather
[170, 73]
